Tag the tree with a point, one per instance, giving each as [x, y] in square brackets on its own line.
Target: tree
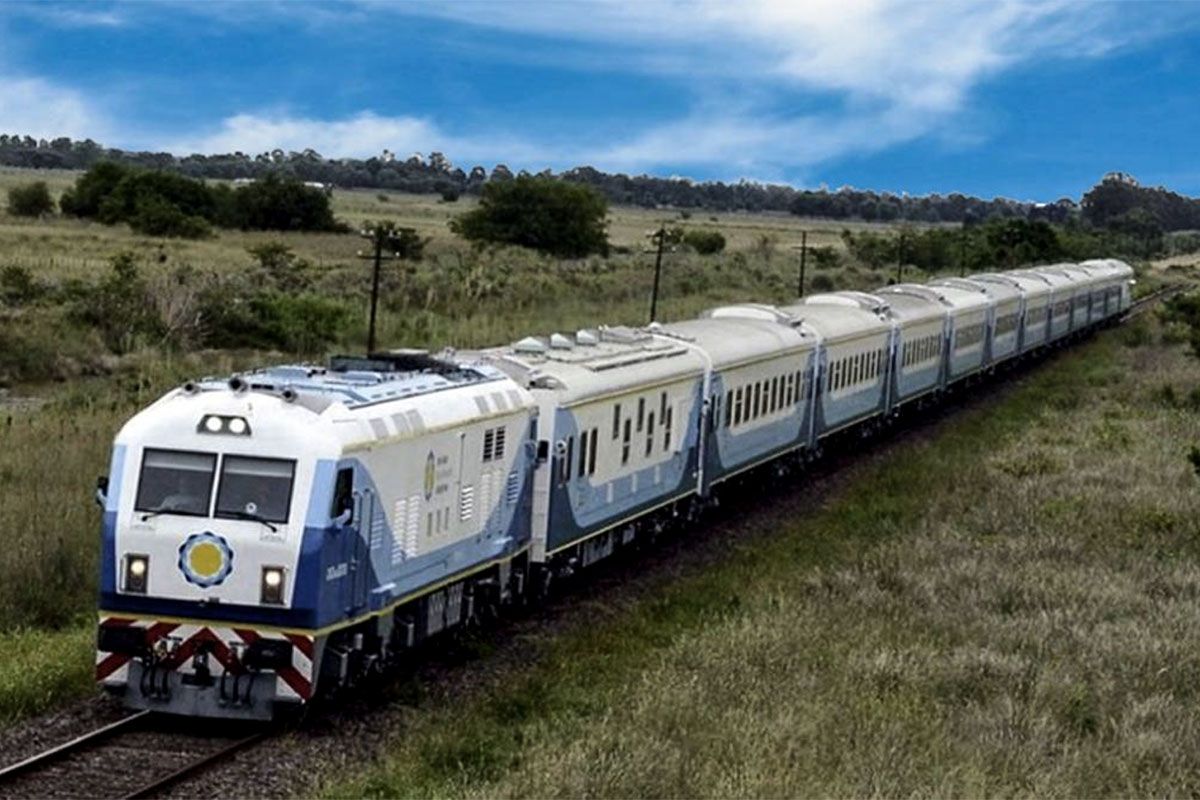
[282, 204]
[705, 242]
[556, 217]
[30, 200]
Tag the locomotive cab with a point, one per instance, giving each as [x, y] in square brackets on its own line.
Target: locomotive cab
[212, 496]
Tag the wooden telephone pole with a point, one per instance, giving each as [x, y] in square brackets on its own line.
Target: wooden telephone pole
[383, 236]
[803, 248]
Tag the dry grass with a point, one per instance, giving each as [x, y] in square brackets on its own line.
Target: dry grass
[1006, 608]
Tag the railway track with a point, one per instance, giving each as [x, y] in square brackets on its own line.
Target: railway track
[1142, 303]
[142, 755]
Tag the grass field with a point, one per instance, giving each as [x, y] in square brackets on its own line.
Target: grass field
[1003, 607]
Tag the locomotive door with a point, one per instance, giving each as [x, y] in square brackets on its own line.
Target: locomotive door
[355, 553]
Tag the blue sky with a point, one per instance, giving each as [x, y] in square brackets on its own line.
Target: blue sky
[1032, 100]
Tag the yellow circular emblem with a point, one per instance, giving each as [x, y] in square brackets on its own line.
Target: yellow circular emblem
[206, 559]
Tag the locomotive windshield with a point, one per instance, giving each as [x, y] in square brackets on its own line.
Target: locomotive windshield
[255, 488]
[176, 482]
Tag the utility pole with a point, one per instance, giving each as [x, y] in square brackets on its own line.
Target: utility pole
[900, 259]
[962, 253]
[803, 248]
[661, 235]
[381, 235]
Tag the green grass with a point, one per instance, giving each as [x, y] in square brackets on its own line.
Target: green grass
[41, 669]
[1005, 608]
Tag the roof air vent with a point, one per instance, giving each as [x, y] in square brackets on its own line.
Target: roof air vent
[530, 344]
[560, 342]
[587, 338]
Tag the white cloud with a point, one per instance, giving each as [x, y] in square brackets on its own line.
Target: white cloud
[776, 87]
[891, 71]
[361, 135]
[43, 109]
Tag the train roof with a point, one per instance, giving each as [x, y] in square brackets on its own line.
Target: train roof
[729, 339]
[911, 308]
[998, 291]
[1055, 275]
[835, 321]
[596, 362]
[1109, 267]
[951, 297]
[362, 381]
[1030, 285]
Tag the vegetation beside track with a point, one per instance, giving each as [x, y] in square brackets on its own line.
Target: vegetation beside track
[1006, 605]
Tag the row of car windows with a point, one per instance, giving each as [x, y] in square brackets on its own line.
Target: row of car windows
[755, 400]
[854, 369]
[1006, 324]
[969, 335]
[922, 348]
[656, 425]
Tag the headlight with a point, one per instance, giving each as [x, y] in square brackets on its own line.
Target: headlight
[272, 586]
[214, 423]
[137, 567]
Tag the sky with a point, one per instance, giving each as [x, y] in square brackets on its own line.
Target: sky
[1028, 100]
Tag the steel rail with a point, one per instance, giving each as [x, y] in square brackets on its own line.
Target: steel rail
[78, 743]
[159, 784]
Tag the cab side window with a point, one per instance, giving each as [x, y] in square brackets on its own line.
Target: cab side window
[343, 493]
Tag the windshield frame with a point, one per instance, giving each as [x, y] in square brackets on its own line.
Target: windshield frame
[212, 480]
[218, 513]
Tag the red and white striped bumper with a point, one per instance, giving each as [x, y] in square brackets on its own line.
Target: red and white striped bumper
[175, 644]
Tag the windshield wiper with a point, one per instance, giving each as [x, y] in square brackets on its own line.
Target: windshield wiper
[154, 512]
[254, 518]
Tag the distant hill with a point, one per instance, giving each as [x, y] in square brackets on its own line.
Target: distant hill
[1112, 201]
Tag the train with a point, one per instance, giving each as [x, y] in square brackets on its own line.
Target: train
[279, 535]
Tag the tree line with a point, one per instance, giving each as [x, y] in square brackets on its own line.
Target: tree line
[162, 203]
[1114, 196]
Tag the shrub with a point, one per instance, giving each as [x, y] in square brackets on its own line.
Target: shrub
[157, 217]
[822, 283]
[825, 257]
[164, 203]
[1182, 312]
[284, 271]
[555, 217]
[18, 286]
[30, 200]
[304, 324]
[120, 307]
[705, 242]
[274, 203]
[91, 189]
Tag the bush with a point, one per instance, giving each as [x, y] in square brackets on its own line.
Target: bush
[282, 204]
[30, 200]
[555, 217]
[825, 257]
[1182, 312]
[120, 308]
[163, 203]
[283, 270]
[305, 324]
[157, 217]
[822, 283]
[704, 242]
[18, 286]
[91, 189]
